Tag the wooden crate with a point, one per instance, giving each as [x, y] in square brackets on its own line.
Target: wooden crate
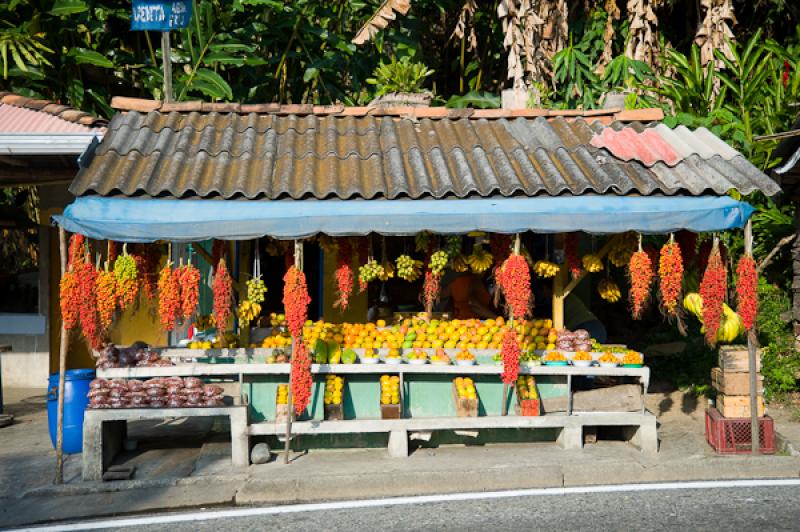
[738, 405]
[735, 359]
[390, 412]
[729, 383]
[465, 407]
[334, 412]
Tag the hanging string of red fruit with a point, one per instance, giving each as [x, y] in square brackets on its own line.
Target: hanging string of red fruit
[430, 290]
[344, 274]
[641, 275]
[514, 277]
[670, 272]
[147, 257]
[106, 297]
[302, 380]
[169, 297]
[76, 254]
[87, 293]
[747, 291]
[295, 300]
[713, 289]
[127, 275]
[222, 286]
[571, 254]
[189, 281]
[510, 353]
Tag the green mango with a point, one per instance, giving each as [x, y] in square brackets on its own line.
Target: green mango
[349, 356]
[321, 352]
[335, 357]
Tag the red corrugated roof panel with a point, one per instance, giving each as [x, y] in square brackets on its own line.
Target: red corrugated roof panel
[20, 120]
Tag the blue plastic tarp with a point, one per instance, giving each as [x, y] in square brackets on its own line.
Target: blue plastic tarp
[147, 220]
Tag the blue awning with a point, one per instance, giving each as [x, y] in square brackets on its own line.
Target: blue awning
[147, 220]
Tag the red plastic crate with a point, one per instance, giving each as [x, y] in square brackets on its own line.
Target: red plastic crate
[728, 435]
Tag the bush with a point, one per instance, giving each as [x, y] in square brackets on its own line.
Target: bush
[780, 362]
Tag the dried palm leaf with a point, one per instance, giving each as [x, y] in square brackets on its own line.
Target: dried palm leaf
[466, 24]
[613, 14]
[381, 18]
[643, 37]
[715, 31]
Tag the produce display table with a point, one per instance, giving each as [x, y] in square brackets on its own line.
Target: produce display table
[104, 432]
[4, 348]
[641, 426]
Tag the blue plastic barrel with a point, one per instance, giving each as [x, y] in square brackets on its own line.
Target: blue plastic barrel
[76, 388]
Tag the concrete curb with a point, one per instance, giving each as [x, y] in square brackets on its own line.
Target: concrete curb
[88, 488]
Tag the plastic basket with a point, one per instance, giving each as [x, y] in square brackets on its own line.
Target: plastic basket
[729, 435]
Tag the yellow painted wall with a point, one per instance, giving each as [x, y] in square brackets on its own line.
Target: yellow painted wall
[357, 313]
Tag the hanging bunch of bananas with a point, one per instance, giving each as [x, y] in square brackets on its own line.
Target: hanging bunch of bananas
[592, 263]
[452, 246]
[545, 268]
[609, 290]
[731, 325]
[388, 271]
[408, 269]
[439, 261]
[422, 241]
[459, 263]
[620, 253]
[248, 311]
[480, 260]
[370, 271]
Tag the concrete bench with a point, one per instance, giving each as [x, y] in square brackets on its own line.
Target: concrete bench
[640, 427]
[104, 432]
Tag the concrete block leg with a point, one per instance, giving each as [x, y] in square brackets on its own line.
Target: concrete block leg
[644, 436]
[240, 438]
[101, 443]
[398, 444]
[571, 437]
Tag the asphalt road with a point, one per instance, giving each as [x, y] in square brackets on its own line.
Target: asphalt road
[712, 509]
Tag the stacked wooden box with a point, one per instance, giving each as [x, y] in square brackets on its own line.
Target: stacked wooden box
[732, 382]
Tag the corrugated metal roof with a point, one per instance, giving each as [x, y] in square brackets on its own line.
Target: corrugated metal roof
[20, 114]
[20, 120]
[257, 156]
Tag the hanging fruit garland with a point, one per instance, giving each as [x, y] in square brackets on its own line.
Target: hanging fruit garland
[295, 300]
[169, 297]
[189, 282]
[430, 290]
[670, 272]
[69, 299]
[127, 279]
[76, 254]
[747, 291]
[222, 286]
[343, 274]
[514, 278]
[510, 353]
[302, 380]
[713, 289]
[641, 275]
[87, 293]
[571, 254]
[106, 297]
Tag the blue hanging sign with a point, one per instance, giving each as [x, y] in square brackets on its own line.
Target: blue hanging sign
[161, 15]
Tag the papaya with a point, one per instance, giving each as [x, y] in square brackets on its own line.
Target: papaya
[335, 356]
[349, 356]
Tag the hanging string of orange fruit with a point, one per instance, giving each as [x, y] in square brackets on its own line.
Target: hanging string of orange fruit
[189, 282]
[641, 275]
[222, 287]
[87, 292]
[169, 302]
[106, 296]
[343, 274]
[713, 290]
[670, 271]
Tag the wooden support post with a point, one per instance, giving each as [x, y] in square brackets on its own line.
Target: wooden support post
[751, 349]
[62, 367]
[559, 295]
[166, 57]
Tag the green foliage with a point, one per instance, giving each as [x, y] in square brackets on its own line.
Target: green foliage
[20, 47]
[780, 362]
[474, 99]
[399, 76]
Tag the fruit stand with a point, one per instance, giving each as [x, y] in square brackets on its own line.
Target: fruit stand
[467, 375]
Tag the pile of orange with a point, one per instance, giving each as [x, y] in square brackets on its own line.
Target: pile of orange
[417, 333]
